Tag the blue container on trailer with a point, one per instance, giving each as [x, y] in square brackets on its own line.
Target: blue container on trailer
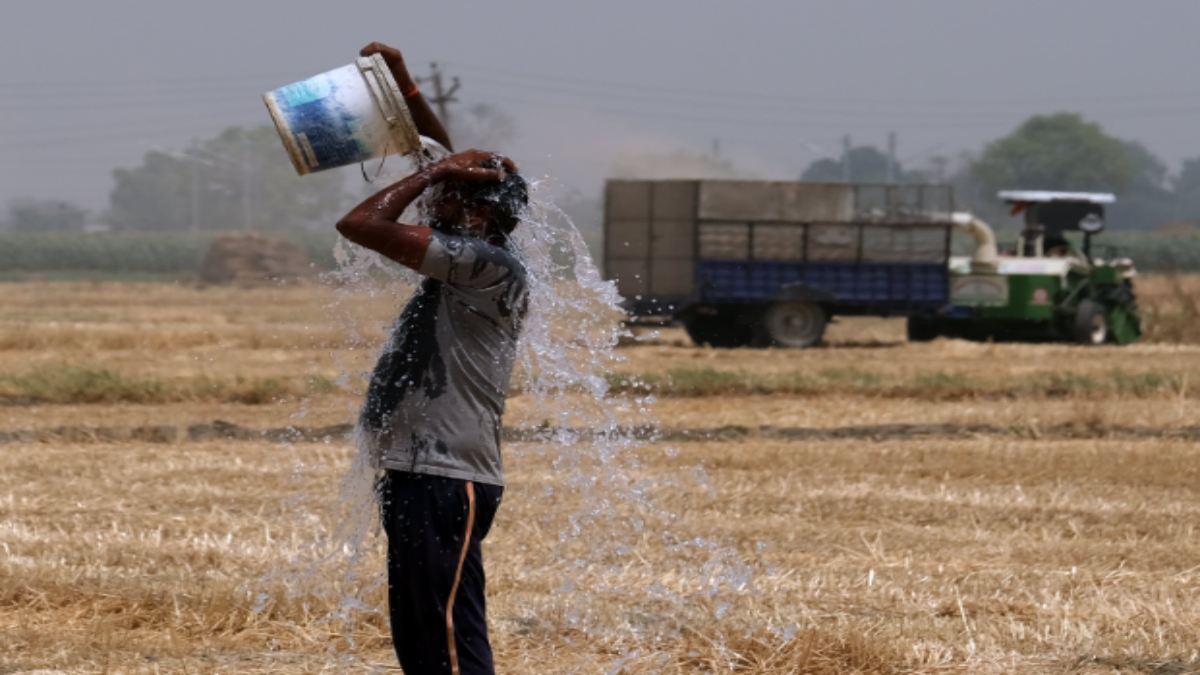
[345, 116]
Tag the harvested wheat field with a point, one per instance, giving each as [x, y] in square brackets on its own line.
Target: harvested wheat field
[170, 459]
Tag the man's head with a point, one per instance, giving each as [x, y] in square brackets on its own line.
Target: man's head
[488, 209]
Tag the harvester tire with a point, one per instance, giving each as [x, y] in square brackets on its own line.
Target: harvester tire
[794, 325]
[1091, 323]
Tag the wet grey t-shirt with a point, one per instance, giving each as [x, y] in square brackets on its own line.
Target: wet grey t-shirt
[437, 393]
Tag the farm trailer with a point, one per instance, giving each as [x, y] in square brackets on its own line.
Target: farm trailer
[769, 263]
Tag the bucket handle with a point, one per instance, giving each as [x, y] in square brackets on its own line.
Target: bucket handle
[375, 71]
[362, 166]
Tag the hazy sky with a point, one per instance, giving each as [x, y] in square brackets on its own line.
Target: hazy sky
[92, 85]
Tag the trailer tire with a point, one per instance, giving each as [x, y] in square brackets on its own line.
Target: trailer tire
[921, 330]
[794, 325]
[1091, 323]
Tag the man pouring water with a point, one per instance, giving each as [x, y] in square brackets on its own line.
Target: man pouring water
[435, 399]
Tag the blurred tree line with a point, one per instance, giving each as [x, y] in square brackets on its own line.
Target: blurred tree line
[242, 179]
[44, 215]
[1062, 151]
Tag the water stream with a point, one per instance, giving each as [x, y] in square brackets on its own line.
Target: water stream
[616, 562]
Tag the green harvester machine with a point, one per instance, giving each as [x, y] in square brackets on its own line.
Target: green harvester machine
[1048, 289]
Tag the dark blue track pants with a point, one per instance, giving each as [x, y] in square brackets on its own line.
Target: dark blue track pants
[434, 527]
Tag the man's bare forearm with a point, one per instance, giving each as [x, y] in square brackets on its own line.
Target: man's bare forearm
[372, 224]
[390, 202]
[406, 244]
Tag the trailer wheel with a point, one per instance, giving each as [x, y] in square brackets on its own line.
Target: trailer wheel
[794, 325]
[921, 330]
[1091, 323]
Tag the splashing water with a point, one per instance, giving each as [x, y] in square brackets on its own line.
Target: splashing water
[615, 548]
[568, 348]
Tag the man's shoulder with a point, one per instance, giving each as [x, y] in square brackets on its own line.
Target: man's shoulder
[473, 260]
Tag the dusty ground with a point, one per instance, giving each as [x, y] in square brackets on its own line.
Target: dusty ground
[1009, 550]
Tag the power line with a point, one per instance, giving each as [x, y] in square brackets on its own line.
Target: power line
[142, 130]
[109, 84]
[810, 117]
[793, 117]
[442, 96]
[758, 109]
[74, 140]
[128, 102]
[657, 93]
[73, 93]
[870, 111]
[717, 94]
[882, 122]
[128, 125]
[112, 87]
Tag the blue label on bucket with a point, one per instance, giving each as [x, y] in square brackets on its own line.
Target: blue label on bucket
[309, 90]
[340, 117]
[324, 128]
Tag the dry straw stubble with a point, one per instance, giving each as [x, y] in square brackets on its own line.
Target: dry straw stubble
[990, 554]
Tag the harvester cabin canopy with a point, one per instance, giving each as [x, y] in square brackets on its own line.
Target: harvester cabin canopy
[1058, 212]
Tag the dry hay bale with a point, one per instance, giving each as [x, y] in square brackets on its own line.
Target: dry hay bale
[253, 259]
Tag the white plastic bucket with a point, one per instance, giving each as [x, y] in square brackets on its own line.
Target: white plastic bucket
[344, 116]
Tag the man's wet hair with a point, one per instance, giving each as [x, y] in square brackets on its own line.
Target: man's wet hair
[506, 199]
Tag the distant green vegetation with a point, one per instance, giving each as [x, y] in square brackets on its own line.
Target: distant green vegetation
[125, 255]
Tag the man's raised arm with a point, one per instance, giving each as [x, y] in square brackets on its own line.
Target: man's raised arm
[427, 123]
[372, 224]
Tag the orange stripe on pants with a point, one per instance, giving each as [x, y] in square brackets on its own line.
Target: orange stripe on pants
[462, 557]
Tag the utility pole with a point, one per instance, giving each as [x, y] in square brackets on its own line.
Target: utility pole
[846, 158]
[891, 163]
[441, 95]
